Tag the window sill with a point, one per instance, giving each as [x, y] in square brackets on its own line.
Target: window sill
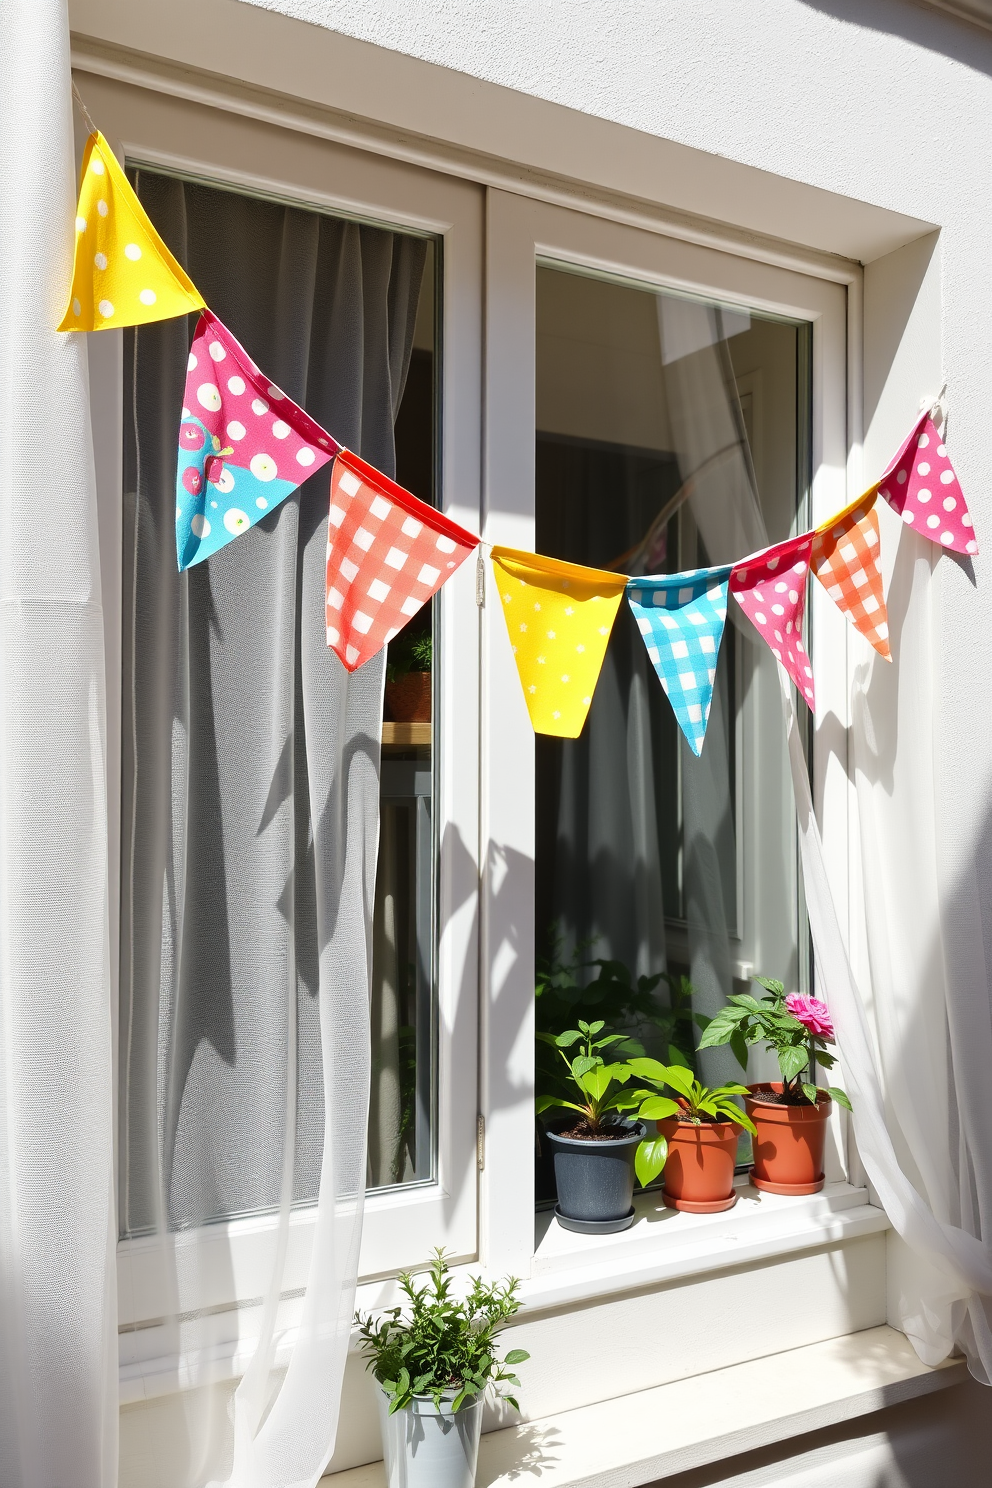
[665, 1245]
[660, 1246]
[652, 1434]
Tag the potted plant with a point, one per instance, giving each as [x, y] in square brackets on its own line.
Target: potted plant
[597, 1151]
[408, 678]
[433, 1367]
[790, 1114]
[627, 1005]
[701, 1127]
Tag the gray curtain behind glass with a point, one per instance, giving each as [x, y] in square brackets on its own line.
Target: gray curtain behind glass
[613, 802]
[250, 756]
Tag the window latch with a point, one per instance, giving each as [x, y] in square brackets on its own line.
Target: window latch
[480, 1141]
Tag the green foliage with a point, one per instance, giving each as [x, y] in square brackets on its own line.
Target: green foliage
[442, 1345]
[599, 1091]
[746, 1020]
[626, 1004]
[693, 1099]
[411, 651]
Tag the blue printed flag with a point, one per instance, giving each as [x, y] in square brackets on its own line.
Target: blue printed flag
[681, 617]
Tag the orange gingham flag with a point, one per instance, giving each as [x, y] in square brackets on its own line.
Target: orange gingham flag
[387, 553]
[845, 560]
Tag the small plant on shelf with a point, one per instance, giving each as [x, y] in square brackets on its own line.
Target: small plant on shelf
[408, 677]
[441, 1348]
[409, 653]
[796, 1028]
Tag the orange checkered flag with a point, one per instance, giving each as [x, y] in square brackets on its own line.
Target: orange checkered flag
[845, 560]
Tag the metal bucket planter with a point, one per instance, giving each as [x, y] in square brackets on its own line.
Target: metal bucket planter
[429, 1446]
[595, 1180]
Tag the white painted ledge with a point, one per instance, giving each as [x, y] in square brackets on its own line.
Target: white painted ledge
[661, 1246]
[653, 1434]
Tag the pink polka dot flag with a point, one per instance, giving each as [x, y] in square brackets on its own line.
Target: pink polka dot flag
[243, 445]
[770, 588]
[920, 484]
[387, 553]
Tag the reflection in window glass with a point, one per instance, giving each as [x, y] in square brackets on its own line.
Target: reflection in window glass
[671, 434]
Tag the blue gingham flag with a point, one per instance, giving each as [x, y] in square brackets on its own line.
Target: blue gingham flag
[681, 617]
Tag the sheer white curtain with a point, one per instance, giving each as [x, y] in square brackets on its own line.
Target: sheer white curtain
[249, 828]
[915, 1039]
[58, 1318]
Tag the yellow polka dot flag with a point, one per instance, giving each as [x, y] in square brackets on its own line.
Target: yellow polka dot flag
[559, 618]
[123, 274]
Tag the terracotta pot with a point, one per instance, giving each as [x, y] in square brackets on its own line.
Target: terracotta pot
[699, 1171]
[788, 1148]
[408, 700]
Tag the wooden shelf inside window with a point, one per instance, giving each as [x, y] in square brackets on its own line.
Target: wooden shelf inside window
[405, 735]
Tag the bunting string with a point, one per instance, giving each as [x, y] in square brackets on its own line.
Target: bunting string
[244, 446]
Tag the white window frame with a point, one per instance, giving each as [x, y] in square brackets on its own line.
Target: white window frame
[232, 1259]
[520, 231]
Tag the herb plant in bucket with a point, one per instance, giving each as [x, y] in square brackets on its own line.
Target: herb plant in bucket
[434, 1360]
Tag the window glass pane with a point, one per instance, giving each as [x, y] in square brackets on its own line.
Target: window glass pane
[220, 1033]
[671, 434]
[401, 1144]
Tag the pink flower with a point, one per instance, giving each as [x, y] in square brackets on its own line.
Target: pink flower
[812, 1014]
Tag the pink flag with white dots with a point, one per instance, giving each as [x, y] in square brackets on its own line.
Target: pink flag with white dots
[244, 446]
[920, 484]
[770, 588]
[387, 553]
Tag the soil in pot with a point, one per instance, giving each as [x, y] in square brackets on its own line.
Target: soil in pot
[408, 699]
[595, 1178]
[426, 1446]
[788, 1147]
[699, 1170]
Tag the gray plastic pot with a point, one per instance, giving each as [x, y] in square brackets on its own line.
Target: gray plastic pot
[426, 1446]
[595, 1180]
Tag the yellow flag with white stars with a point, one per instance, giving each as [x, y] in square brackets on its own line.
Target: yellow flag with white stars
[559, 617]
[122, 274]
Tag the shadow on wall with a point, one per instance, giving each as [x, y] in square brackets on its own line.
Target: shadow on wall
[930, 27]
[939, 1441]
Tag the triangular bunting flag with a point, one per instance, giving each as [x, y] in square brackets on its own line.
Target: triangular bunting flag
[920, 484]
[845, 559]
[770, 588]
[243, 445]
[681, 617]
[387, 553]
[123, 274]
[559, 618]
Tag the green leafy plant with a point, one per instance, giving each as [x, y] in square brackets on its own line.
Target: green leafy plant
[693, 1101]
[628, 1004]
[598, 1091]
[797, 1028]
[442, 1346]
[409, 652]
